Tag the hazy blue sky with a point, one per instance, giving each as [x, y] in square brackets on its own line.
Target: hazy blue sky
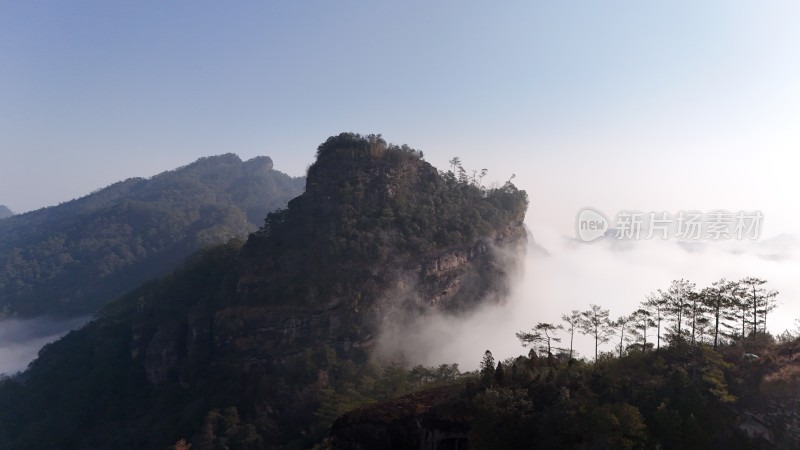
[640, 105]
[617, 105]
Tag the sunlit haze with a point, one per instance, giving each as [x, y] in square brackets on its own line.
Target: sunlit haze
[650, 106]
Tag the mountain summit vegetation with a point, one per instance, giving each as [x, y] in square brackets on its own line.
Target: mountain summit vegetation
[264, 343]
[680, 396]
[690, 369]
[72, 258]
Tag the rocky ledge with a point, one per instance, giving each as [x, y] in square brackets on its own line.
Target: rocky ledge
[430, 420]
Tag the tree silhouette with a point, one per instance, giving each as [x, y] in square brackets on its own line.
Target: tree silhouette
[757, 299]
[594, 322]
[549, 331]
[487, 368]
[642, 322]
[531, 338]
[720, 300]
[620, 326]
[656, 305]
[573, 320]
[455, 163]
[696, 311]
[769, 304]
[542, 333]
[678, 303]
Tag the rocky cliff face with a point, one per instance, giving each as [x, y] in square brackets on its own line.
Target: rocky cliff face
[336, 266]
[269, 333]
[454, 281]
[771, 416]
[775, 423]
[432, 420]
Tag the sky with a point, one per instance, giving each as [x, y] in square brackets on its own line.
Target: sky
[617, 105]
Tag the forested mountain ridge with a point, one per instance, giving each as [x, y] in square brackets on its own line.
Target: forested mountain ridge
[5, 212]
[690, 369]
[72, 258]
[670, 398]
[263, 344]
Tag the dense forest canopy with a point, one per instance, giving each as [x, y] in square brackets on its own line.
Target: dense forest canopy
[265, 343]
[367, 204]
[689, 369]
[72, 258]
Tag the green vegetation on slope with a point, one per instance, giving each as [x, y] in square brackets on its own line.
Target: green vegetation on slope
[262, 345]
[676, 397]
[370, 204]
[690, 369]
[72, 258]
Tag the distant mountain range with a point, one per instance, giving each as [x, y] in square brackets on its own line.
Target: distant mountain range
[276, 341]
[72, 258]
[264, 344]
[5, 212]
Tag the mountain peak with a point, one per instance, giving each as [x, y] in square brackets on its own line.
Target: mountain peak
[217, 160]
[5, 212]
[103, 244]
[369, 201]
[356, 158]
[374, 213]
[378, 239]
[259, 163]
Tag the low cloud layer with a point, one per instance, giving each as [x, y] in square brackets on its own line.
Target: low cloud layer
[571, 275]
[560, 274]
[21, 340]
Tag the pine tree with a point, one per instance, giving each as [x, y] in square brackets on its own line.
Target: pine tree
[769, 304]
[499, 374]
[642, 322]
[720, 300]
[696, 312]
[532, 338]
[573, 320]
[487, 368]
[594, 322]
[756, 295]
[620, 326]
[549, 331]
[678, 303]
[656, 305]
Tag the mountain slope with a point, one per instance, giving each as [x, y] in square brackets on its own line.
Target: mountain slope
[5, 212]
[672, 397]
[265, 344]
[72, 258]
